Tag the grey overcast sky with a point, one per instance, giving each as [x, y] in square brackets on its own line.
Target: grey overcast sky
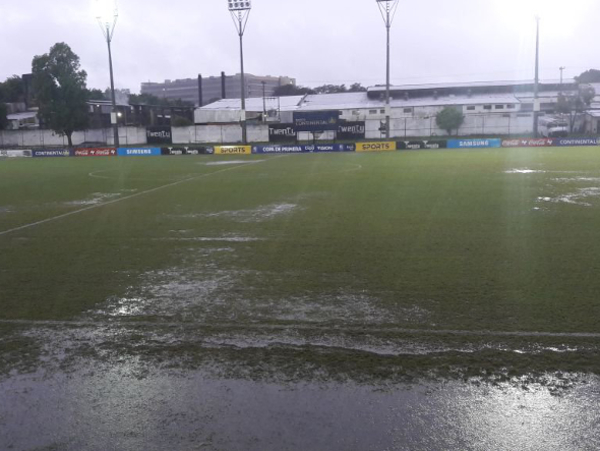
[315, 41]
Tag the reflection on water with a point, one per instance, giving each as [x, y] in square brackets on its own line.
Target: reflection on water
[120, 407]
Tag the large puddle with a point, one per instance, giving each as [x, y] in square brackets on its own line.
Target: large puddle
[123, 408]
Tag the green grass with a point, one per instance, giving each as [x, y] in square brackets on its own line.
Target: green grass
[421, 240]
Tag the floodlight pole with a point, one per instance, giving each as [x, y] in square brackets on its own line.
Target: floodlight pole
[388, 10]
[108, 31]
[240, 19]
[536, 88]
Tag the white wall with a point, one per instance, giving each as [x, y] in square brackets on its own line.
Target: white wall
[47, 138]
[217, 134]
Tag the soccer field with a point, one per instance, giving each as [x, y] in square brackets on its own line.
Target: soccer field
[478, 243]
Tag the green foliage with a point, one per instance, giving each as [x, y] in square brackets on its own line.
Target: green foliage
[180, 121]
[3, 118]
[95, 94]
[449, 119]
[589, 76]
[60, 89]
[12, 90]
[574, 105]
[292, 90]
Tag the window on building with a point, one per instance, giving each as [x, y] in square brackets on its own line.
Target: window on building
[372, 111]
[510, 107]
[523, 115]
[499, 107]
[487, 107]
[382, 111]
[527, 107]
[470, 108]
[408, 110]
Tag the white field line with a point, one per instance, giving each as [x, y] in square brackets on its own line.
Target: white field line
[325, 328]
[121, 199]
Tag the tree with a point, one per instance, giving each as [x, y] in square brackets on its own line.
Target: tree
[292, 90]
[576, 104]
[589, 76]
[95, 94]
[449, 119]
[12, 90]
[3, 118]
[357, 87]
[59, 85]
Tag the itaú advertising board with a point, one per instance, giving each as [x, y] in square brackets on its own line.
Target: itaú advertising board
[233, 150]
[382, 146]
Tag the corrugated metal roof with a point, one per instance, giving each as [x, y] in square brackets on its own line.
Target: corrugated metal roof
[289, 103]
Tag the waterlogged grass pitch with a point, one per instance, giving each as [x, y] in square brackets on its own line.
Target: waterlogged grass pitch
[501, 240]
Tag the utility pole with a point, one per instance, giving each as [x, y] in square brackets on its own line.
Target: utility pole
[264, 86]
[536, 89]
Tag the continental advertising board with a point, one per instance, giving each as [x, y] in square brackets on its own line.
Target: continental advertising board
[233, 150]
[316, 121]
[567, 142]
[474, 143]
[382, 146]
[138, 152]
[50, 153]
[97, 152]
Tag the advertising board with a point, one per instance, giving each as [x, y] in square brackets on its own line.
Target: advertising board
[473, 143]
[233, 150]
[282, 133]
[96, 152]
[9, 153]
[187, 150]
[381, 146]
[49, 153]
[159, 135]
[316, 121]
[351, 131]
[138, 152]
[418, 145]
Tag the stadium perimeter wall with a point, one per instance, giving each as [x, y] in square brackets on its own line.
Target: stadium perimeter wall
[373, 146]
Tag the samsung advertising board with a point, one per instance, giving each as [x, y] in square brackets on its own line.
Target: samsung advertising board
[316, 121]
[138, 152]
[474, 143]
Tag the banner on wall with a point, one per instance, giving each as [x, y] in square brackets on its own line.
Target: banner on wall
[100, 152]
[473, 143]
[351, 131]
[418, 145]
[541, 142]
[383, 146]
[187, 150]
[159, 135]
[138, 152]
[49, 153]
[8, 153]
[233, 150]
[316, 121]
[316, 148]
[565, 142]
[281, 133]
